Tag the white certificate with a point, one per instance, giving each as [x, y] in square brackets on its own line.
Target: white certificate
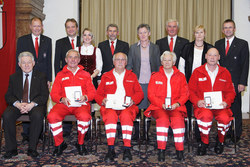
[216, 99]
[71, 92]
[115, 102]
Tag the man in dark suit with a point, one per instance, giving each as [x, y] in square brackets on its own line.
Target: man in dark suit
[172, 42]
[112, 42]
[63, 45]
[41, 47]
[234, 53]
[27, 94]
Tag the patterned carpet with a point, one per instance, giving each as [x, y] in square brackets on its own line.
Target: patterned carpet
[95, 158]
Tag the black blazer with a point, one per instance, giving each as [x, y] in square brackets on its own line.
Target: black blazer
[134, 58]
[179, 44]
[43, 62]
[107, 56]
[39, 92]
[236, 60]
[188, 55]
[63, 45]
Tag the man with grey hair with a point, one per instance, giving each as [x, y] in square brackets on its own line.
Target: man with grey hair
[168, 93]
[27, 94]
[123, 84]
[172, 42]
[111, 46]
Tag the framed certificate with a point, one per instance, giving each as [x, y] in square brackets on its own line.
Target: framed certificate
[168, 103]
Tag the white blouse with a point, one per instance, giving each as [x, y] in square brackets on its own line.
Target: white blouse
[89, 51]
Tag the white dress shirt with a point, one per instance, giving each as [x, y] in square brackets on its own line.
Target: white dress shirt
[169, 75]
[213, 74]
[34, 40]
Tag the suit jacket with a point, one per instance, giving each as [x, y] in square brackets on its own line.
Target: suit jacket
[179, 44]
[63, 45]
[107, 56]
[236, 60]
[134, 58]
[43, 62]
[188, 55]
[38, 89]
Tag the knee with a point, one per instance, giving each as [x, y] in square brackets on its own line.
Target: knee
[163, 121]
[8, 114]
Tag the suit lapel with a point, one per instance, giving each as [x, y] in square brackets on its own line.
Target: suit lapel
[33, 85]
[177, 44]
[108, 47]
[31, 44]
[67, 43]
[232, 47]
[20, 85]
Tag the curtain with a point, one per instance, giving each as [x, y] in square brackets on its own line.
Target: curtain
[8, 48]
[128, 14]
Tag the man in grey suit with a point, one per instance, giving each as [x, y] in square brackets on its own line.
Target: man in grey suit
[172, 42]
[143, 59]
[27, 94]
[234, 55]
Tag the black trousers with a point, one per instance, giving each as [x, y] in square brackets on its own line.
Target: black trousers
[11, 114]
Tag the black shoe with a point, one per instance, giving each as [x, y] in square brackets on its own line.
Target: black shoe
[127, 155]
[25, 138]
[110, 155]
[81, 149]
[202, 148]
[219, 148]
[180, 155]
[59, 149]
[10, 154]
[161, 155]
[32, 153]
[88, 135]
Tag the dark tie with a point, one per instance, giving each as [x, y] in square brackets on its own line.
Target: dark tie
[227, 48]
[26, 89]
[72, 44]
[171, 45]
[36, 47]
[112, 47]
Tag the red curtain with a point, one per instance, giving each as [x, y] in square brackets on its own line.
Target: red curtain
[8, 51]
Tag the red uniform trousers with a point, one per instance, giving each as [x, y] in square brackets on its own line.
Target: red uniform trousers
[204, 120]
[164, 119]
[57, 114]
[126, 116]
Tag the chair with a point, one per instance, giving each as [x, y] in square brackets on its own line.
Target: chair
[147, 119]
[193, 119]
[25, 118]
[99, 119]
[72, 118]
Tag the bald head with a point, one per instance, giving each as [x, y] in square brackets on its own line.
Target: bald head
[212, 56]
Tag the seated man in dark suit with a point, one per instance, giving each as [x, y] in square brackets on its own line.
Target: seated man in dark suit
[27, 94]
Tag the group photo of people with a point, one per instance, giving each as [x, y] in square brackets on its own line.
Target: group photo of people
[175, 87]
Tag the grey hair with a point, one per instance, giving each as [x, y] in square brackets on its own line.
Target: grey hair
[112, 25]
[23, 54]
[126, 57]
[73, 50]
[142, 26]
[172, 20]
[169, 53]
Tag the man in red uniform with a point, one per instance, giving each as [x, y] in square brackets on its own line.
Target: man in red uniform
[72, 75]
[168, 93]
[211, 77]
[123, 84]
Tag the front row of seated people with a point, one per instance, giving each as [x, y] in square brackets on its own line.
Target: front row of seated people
[168, 92]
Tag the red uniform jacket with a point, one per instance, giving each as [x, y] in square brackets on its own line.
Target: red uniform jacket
[157, 90]
[200, 82]
[66, 78]
[108, 86]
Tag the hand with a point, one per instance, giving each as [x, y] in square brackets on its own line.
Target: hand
[83, 98]
[29, 106]
[224, 104]
[174, 106]
[131, 103]
[164, 106]
[201, 104]
[48, 83]
[65, 101]
[241, 88]
[21, 107]
[104, 101]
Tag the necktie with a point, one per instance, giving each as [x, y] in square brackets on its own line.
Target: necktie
[171, 45]
[112, 47]
[36, 47]
[227, 48]
[72, 44]
[25, 89]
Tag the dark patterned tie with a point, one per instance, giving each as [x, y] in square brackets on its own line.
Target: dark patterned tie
[26, 89]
